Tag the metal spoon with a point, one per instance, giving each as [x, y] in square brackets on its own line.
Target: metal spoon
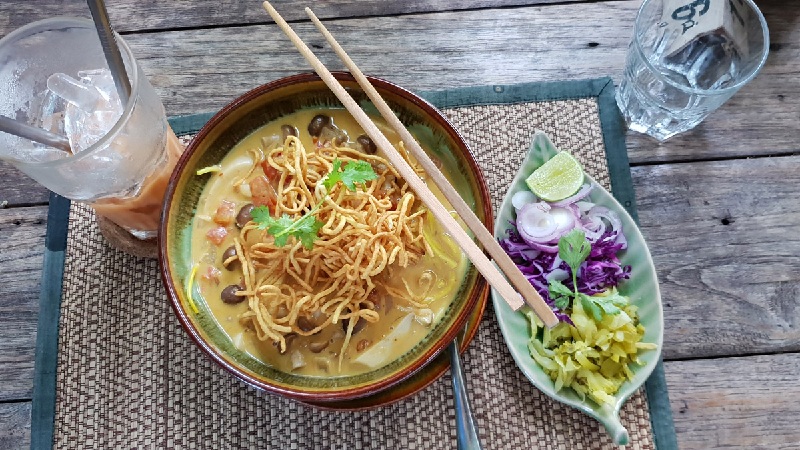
[36, 134]
[466, 432]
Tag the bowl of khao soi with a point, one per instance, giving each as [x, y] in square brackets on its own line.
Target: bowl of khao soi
[297, 258]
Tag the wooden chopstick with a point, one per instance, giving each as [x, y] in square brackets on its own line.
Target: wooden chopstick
[473, 252]
[501, 258]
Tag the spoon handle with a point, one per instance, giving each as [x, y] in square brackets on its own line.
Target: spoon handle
[466, 432]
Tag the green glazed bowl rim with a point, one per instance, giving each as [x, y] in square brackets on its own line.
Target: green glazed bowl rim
[476, 294]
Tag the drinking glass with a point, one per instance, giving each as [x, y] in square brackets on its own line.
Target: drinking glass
[686, 58]
[123, 172]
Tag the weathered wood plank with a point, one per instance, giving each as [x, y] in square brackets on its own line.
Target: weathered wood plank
[18, 189]
[139, 15]
[15, 425]
[429, 52]
[749, 403]
[445, 50]
[22, 232]
[724, 239]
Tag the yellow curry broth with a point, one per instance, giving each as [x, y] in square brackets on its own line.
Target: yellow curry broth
[436, 278]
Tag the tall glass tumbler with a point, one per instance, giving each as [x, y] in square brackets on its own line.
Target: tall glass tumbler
[687, 58]
[122, 173]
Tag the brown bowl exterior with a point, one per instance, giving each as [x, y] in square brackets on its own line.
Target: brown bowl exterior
[228, 127]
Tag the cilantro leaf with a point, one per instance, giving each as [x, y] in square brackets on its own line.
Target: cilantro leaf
[574, 248]
[333, 176]
[558, 288]
[281, 229]
[305, 228]
[262, 218]
[562, 303]
[591, 307]
[352, 173]
[560, 294]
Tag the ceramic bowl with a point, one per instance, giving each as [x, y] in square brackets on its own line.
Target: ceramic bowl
[228, 127]
[641, 288]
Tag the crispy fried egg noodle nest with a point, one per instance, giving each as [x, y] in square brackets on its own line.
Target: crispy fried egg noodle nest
[365, 232]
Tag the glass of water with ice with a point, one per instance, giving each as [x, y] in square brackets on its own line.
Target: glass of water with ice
[53, 75]
[686, 58]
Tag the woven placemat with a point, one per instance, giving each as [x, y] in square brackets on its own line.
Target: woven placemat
[127, 375]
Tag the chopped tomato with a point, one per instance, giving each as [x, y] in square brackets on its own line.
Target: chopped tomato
[272, 173]
[225, 213]
[263, 192]
[212, 274]
[217, 235]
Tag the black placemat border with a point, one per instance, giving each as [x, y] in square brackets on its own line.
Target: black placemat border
[613, 129]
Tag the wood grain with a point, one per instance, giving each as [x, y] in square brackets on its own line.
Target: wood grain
[137, 15]
[456, 49]
[15, 425]
[17, 189]
[724, 240]
[748, 403]
[445, 50]
[22, 232]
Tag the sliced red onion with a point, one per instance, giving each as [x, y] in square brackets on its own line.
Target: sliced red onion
[582, 192]
[595, 226]
[547, 248]
[541, 226]
[535, 224]
[523, 198]
[565, 219]
[584, 207]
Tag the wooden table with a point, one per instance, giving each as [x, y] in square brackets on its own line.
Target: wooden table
[719, 205]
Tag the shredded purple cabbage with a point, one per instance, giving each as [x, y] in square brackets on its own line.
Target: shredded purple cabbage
[601, 270]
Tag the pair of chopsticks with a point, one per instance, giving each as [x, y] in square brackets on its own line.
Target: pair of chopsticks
[473, 252]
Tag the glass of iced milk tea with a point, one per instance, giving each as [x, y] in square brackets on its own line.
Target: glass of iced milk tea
[53, 74]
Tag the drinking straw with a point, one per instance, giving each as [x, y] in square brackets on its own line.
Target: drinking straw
[36, 134]
[108, 41]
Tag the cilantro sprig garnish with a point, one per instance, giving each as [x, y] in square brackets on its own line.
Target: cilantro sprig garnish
[574, 248]
[306, 228]
[354, 172]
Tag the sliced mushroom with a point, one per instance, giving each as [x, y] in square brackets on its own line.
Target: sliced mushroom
[245, 215]
[289, 130]
[228, 295]
[227, 262]
[365, 144]
[317, 123]
[360, 324]
[318, 346]
[298, 361]
[305, 324]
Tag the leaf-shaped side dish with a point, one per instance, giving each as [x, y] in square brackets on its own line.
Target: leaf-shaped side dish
[641, 288]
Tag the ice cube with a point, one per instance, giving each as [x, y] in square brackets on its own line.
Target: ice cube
[93, 106]
[81, 95]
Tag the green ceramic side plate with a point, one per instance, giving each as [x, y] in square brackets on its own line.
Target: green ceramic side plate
[642, 288]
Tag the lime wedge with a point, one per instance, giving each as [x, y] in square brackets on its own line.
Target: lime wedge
[556, 179]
